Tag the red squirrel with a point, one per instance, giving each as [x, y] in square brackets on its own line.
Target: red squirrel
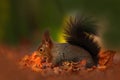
[80, 44]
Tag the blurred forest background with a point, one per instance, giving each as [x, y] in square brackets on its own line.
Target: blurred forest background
[23, 21]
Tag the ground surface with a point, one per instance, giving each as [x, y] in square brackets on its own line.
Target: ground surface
[10, 68]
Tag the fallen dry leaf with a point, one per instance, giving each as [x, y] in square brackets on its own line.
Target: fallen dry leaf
[105, 59]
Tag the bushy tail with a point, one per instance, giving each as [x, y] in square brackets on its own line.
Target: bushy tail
[80, 32]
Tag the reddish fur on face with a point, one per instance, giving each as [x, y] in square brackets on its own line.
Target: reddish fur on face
[46, 45]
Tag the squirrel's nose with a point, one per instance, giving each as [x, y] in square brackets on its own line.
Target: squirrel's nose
[37, 53]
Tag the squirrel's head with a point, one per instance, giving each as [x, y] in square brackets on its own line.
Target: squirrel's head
[46, 45]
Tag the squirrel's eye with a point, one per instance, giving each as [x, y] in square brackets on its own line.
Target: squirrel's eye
[41, 49]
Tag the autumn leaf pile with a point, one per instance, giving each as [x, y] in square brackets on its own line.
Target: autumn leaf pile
[38, 63]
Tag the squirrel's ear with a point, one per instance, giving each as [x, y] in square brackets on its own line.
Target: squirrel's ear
[46, 39]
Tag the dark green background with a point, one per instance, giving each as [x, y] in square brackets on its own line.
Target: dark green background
[23, 21]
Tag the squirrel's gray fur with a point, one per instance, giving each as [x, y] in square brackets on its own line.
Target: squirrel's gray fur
[80, 43]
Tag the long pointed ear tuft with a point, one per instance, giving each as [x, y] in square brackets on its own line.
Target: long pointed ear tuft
[46, 39]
